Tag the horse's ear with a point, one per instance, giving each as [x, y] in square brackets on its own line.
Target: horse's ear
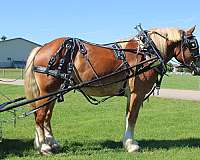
[191, 30]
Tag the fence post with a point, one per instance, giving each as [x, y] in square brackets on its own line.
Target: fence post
[1, 130]
[22, 73]
[4, 72]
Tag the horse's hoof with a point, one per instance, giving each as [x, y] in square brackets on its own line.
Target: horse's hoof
[45, 149]
[56, 147]
[131, 146]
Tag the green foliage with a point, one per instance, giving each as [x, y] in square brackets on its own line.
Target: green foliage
[182, 69]
[170, 67]
[166, 129]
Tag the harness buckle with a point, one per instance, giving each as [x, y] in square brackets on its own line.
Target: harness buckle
[60, 97]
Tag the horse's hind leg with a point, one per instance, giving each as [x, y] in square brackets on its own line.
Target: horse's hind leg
[49, 138]
[40, 116]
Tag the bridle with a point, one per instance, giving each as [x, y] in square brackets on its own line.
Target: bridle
[191, 43]
[187, 41]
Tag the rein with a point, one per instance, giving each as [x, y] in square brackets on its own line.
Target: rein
[67, 52]
[153, 63]
[72, 43]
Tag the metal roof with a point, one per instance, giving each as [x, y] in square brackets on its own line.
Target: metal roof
[19, 39]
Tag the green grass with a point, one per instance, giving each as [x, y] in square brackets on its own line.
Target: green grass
[11, 73]
[181, 82]
[166, 129]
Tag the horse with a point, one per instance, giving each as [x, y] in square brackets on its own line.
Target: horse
[82, 61]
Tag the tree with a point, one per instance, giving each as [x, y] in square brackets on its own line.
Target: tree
[3, 38]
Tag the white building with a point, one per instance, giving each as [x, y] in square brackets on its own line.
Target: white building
[14, 52]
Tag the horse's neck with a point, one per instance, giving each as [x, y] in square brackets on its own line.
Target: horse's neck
[168, 54]
[166, 57]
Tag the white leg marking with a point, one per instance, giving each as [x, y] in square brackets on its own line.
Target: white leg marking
[128, 142]
[39, 136]
[45, 149]
[39, 142]
[49, 138]
[36, 141]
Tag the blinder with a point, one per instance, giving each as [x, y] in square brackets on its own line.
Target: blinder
[192, 44]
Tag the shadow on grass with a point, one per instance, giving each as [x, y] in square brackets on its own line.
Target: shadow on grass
[16, 147]
[90, 147]
[22, 148]
[109, 145]
[167, 144]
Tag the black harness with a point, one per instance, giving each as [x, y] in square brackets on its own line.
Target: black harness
[65, 67]
[151, 49]
[67, 51]
[61, 66]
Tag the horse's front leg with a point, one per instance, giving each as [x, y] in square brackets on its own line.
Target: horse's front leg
[133, 106]
[49, 138]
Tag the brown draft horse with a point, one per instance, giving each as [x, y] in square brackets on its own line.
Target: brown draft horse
[99, 61]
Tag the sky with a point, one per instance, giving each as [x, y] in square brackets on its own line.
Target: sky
[100, 21]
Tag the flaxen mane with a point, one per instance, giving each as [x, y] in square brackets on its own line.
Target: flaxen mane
[159, 37]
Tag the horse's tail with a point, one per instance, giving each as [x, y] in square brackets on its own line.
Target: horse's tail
[30, 84]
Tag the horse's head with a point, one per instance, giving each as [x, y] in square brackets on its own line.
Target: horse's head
[180, 44]
[187, 52]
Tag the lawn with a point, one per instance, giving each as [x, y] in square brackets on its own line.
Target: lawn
[166, 129]
[11, 73]
[181, 82]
